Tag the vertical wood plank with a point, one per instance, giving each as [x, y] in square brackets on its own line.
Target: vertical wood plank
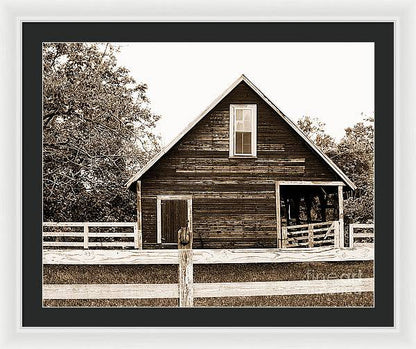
[138, 233]
[341, 216]
[278, 232]
[86, 229]
[308, 202]
[336, 234]
[310, 235]
[186, 287]
[190, 219]
[323, 202]
[231, 132]
[159, 221]
[284, 237]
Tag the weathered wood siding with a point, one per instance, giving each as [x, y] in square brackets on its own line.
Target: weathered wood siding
[233, 198]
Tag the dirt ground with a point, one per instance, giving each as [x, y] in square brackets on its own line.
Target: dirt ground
[74, 274]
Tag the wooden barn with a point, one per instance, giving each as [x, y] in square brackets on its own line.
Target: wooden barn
[241, 175]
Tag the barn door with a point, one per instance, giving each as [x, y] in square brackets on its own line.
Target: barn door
[174, 215]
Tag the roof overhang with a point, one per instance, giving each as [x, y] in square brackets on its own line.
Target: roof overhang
[326, 159]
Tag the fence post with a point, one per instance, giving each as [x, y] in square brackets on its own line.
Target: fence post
[284, 237]
[279, 238]
[85, 236]
[351, 235]
[336, 234]
[310, 235]
[341, 216]
[136, 236]
[186, 271]
[138, 231]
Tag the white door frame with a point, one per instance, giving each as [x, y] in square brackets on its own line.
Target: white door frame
[188, 198]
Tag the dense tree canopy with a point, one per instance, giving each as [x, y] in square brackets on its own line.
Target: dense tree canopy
[354, 154]
[97, 125]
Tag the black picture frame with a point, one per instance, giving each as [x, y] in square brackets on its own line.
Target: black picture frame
[34, 33]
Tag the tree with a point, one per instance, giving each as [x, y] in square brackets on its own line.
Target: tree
[354, 154]
[97, 129]
[315, 131]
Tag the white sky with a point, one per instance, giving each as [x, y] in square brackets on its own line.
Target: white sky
[331, 81]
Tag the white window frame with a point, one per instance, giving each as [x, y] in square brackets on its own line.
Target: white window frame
[253, 108]
[159, 198]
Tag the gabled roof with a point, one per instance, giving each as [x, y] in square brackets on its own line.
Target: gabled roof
[326, 159]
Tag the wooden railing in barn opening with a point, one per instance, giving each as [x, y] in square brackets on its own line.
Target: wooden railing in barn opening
[365, 236]
[312, 235]
[91, 235]
[339, 236]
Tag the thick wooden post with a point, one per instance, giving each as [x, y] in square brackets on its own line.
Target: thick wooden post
[287, 210]
[341, 216]
[278, 221]
[284, 237]
[351, 236]
[86, 236]
[310, 235]
[186, 270]
[323, 202]
[296, 211]
[336, 234]
[308, 203]
[138, 235]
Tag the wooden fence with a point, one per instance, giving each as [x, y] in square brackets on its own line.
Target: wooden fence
[90, 235]
[201, 290]
[364, 237]
[312, 235]
[325, 238]
[126, 235]
[185, 290]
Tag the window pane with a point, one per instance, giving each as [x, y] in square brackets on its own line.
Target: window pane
[243, 120]
[247, 120]
[247, 124]
[247, 143]
[239, 114]
[239, 142]
[239, 125]
[243, 142]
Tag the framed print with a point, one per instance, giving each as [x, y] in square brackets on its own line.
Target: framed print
[252, 212]
[304, 59]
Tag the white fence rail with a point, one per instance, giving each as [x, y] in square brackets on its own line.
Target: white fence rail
[85, 235]
[211, 256]
[202, 290]
[365, 237]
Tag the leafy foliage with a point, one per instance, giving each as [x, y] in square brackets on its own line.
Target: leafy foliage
[315, 131]
[97, 125]
[354, 154]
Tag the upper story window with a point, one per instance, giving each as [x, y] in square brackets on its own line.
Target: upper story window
[243, 130]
